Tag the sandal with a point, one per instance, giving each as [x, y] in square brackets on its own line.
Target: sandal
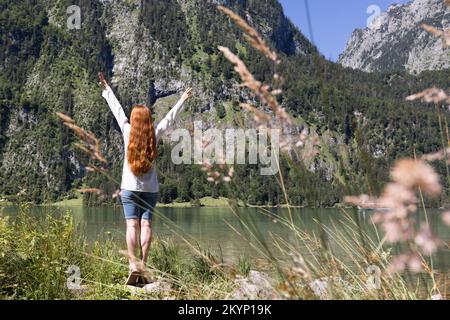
[133, 278]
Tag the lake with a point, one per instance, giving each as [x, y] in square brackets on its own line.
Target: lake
[220, 230]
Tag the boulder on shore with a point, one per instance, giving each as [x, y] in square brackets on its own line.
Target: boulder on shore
[257, 286]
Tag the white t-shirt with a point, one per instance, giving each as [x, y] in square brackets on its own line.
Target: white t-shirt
[149, 181]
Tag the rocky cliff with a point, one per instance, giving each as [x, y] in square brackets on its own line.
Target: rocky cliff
[395, 40]
[150, 50]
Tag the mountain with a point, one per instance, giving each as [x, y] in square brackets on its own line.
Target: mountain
[396, 41]
[152, 49]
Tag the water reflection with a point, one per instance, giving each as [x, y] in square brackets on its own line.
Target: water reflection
[215, 228]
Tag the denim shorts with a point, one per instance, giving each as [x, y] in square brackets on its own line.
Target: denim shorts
[138, 205]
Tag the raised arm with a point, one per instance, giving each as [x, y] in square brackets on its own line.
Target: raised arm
[170, 118]
[113, 103]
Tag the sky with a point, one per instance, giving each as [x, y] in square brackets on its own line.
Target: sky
[333, 21]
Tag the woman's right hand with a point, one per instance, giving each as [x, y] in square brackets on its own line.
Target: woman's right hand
[103, 83]
[187, 95]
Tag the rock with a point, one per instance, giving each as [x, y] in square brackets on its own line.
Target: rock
[79, 292]
[160, 287]
[257, 286]
[436, 297]
[320, 286]
[396, 41]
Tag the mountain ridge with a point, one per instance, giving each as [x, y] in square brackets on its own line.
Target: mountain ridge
[397, 42]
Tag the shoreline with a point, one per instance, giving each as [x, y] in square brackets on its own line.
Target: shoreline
[206, 202]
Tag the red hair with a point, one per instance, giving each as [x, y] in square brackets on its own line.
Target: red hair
[142, 146]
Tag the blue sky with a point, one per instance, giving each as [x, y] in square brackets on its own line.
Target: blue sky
[333, 21]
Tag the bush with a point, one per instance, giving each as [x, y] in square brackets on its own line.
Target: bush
[35, 254]
[165, 257]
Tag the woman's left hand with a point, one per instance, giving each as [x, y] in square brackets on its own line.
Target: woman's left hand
[187, 95]
[103, 83]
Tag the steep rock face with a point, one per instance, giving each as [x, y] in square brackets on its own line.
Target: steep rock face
[269, 19]
[150, 53]
[150, 50]
[396, 40]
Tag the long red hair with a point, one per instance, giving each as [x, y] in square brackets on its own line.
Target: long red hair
[142, 146]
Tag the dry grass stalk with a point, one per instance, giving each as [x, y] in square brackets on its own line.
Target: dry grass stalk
[437, 156]
[422, 175]
[218, 173]
[261, 91]
[91, 190]
[399, 201]
[216, 167]
[432, 95]
[93, 168]
[91, 146]
[258, 115]
[443, 34]
[416, 173]
[289, 139]
[446, 218]
[65, 118]
[251, 35]
[117, 194]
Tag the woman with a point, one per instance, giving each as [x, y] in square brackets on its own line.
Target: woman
[139, 189]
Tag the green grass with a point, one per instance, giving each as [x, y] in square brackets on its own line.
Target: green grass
[37, 253]
[76, 202]
[5, 203]
[341, 252]
[206, 202]
[212, 202]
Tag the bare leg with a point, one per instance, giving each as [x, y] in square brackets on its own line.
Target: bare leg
[146, 238]
[133, 232]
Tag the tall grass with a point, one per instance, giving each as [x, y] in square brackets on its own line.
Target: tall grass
[347, 279]
[340, 255]
[36, 254]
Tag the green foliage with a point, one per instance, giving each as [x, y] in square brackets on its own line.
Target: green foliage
[167, 23]
[64, 65]
[46, 68]
[165, 257]
[35, 254]
[221, 112]
[206, 266]
[243, 266]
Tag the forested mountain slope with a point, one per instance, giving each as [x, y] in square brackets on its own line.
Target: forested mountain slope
[150, 50]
